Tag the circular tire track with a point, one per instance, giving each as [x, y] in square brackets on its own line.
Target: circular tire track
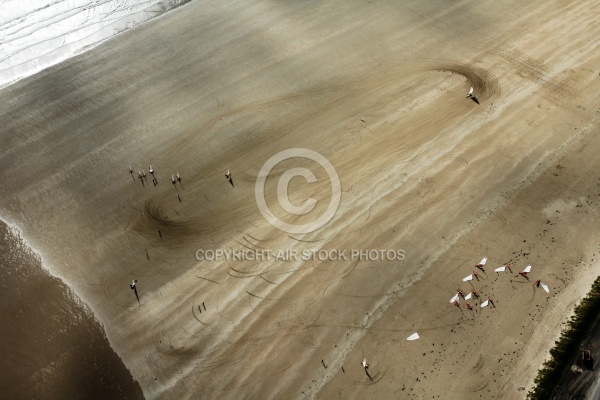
[485, 84]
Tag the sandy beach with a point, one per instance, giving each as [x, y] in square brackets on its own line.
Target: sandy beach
[377, 88]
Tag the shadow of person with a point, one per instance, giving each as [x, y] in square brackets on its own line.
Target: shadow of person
[231, 181]
[474, 99]
[134, 288]
[136, 295]
[587, 360]
[589, 364]
[369, 375]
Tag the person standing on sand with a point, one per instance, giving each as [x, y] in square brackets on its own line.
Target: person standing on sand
[481, 264]
[526, 271]
[366, 367]
[174, 182]
[228, 176]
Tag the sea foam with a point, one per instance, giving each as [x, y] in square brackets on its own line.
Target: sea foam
[36, 34]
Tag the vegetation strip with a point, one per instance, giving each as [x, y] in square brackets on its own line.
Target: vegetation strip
[566, 349]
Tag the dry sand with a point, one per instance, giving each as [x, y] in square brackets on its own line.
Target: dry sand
[379, 89]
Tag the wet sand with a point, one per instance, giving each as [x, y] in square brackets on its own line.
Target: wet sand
[378, 89]
[52, 347]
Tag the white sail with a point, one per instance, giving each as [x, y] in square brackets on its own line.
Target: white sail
[545, 287]
[485, 303]
[414, 336]
[527, 268]
[501, 269]
[467, 297]
[455, 298]
[483, 261]
[468, 278]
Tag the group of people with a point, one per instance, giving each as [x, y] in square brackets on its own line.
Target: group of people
[174, 179]
[473, 293]
[143, 177]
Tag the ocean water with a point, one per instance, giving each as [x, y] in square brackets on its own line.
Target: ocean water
[52, 346]
[36, 34]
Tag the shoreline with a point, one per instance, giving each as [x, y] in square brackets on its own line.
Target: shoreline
[419, 167]
[53, 347]
[155, 10]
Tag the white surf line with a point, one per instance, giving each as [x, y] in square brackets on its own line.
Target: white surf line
[30, 46]
[74, 296]
[52, 271]
[29, 242]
